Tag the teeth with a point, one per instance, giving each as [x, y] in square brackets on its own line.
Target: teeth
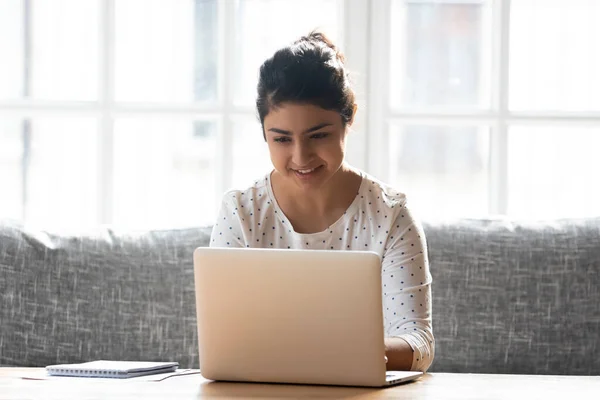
[305, 171]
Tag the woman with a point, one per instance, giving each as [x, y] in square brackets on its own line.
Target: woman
[314, 200]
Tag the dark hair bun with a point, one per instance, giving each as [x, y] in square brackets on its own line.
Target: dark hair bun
[311, 71]
[319, 37]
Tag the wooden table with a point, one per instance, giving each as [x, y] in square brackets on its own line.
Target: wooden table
[432, 386]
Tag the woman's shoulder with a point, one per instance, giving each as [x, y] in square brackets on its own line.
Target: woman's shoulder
[379, 191]
[257, 192]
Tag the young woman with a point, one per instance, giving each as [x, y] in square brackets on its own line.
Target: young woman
[314, 200]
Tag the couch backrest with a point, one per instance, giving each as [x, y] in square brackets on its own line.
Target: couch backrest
[507, 297]
[106, 295]
[514, 297]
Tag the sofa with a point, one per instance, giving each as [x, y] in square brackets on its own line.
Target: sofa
[518, 297]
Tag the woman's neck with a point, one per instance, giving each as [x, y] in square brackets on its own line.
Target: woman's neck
[321, 206]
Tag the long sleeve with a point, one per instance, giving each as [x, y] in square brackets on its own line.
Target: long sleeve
[407, 288]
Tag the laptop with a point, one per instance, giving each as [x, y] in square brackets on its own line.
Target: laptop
[292, 316]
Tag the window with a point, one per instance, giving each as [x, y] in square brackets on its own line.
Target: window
[492, 106]
[136, 112]
[141, 112]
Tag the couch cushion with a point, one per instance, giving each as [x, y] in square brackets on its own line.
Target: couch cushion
[512, 297]
[508, 296]
[106, 295]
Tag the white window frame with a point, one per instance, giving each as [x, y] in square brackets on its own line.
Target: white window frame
[499, 118]
[365, 39]
[496, 118]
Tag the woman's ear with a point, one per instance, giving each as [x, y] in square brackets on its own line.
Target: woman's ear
[353, 114]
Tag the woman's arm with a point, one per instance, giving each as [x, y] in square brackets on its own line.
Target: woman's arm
[399, 354]
[407, 295]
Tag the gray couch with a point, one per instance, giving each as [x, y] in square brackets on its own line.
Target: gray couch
[508, 296]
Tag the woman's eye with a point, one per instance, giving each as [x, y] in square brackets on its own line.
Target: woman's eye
[320, 135]
[281, 139]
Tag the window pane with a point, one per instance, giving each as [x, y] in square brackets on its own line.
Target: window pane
[61, 174]
[555, 55]
[553, 172]
[263, 26]
[440, 53]
[443, 170]
[164, 173]
[11, 171]
[11, 49]
[251, 160]
[166, 51]
[64, 49]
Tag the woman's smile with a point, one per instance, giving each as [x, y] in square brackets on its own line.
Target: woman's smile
[308, 174]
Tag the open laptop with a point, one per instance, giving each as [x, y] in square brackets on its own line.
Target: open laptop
[292, 316]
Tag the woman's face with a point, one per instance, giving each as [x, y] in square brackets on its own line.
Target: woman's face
[306, 143]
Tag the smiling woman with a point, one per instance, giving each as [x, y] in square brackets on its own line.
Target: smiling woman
[313, 199]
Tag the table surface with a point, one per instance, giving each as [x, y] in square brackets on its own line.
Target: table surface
[431, 386]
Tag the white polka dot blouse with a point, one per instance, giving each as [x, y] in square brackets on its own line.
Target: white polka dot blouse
[377, 220]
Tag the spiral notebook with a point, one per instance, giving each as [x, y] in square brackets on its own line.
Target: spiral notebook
[111, 369]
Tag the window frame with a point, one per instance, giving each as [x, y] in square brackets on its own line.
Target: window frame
[497, 117]
[368, 60]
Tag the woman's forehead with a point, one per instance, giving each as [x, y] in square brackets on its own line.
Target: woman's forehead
[300, 115]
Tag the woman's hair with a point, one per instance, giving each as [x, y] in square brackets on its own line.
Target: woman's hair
[309, 71]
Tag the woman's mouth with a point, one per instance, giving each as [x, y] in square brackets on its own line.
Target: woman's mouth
[307, 173]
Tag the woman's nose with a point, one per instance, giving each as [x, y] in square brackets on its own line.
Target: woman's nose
[302, 154]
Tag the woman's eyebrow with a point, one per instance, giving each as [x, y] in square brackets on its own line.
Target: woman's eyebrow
[309, 130]
[277, 130]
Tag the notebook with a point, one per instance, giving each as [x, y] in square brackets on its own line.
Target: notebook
[111, 369]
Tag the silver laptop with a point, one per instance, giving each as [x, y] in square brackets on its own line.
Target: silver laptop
[292, 316]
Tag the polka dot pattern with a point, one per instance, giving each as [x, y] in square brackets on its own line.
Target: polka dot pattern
[378, 220]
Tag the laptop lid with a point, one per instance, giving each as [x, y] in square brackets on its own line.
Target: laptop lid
[290, 316]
